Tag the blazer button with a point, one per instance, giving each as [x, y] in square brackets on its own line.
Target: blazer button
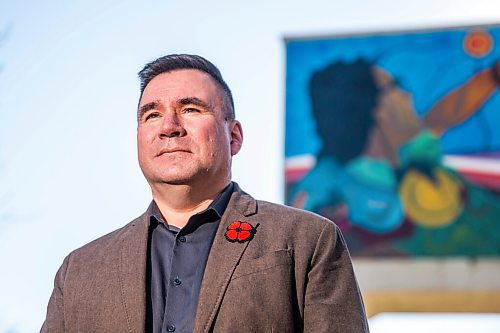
[171, 328]
[177, 282]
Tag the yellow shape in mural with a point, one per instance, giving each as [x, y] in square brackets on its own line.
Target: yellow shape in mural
[429, 203]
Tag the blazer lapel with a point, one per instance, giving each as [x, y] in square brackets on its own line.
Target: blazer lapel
[223, 258]
[132, 275]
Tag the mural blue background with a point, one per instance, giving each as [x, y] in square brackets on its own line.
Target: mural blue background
[426, 63]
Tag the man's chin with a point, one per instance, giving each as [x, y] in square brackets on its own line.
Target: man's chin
[178, 180]
[171, 181]
[187, 177]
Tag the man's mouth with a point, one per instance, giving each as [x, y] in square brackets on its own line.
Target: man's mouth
[172, 150]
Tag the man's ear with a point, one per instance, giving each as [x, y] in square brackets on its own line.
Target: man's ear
[236, 137]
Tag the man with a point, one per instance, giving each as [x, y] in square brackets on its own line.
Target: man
[205, 256]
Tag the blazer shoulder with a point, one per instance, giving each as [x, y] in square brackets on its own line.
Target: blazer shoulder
[291, 213]
[298, 218]
[274, 215]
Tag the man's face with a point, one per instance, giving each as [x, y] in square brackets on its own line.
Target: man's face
[182, 134]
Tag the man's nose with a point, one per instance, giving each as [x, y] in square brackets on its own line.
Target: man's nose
[171, 126]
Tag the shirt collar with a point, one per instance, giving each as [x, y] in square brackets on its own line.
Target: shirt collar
[218, 206]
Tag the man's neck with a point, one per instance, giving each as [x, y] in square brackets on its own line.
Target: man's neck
[177, 203]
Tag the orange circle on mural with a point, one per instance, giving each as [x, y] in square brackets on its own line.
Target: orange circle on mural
[478, 43]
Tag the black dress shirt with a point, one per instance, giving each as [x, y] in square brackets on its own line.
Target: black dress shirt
[176, 262]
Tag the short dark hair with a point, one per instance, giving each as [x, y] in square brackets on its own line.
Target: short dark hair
[174, 62]
[344, 97]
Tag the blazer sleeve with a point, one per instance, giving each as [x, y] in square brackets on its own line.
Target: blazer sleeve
[54, 322]
[333, 302]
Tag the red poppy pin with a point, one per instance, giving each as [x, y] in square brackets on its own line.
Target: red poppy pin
[240, 232]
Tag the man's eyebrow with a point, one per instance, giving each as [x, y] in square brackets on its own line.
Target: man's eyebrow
[195, 101]
[146, 107]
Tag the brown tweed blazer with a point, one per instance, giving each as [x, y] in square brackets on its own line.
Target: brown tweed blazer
[295, 275]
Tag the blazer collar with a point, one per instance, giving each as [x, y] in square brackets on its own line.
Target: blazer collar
[222, 260]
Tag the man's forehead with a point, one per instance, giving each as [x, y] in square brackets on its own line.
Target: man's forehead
[180, 83]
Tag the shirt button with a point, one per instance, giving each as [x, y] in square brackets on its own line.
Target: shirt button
[171, 328]
[177, 282]
[182, 239]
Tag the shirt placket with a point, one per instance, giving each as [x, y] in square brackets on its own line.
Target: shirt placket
[177, 287]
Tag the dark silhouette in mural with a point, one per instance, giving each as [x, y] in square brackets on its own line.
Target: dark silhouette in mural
[379, 173]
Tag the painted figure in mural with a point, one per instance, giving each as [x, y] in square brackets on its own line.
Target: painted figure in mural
[379, 172]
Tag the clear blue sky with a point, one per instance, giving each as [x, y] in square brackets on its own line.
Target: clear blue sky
[68, 92]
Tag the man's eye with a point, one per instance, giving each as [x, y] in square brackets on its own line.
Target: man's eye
[190, 110]
[151, 115]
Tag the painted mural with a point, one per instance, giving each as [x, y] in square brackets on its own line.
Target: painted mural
[396, 138]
